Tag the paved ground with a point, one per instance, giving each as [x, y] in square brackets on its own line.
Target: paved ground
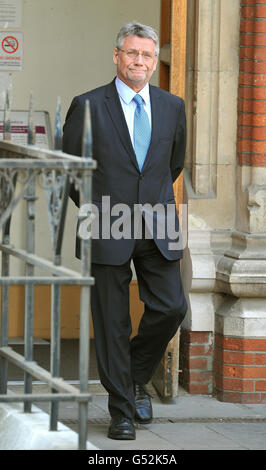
[188, 422]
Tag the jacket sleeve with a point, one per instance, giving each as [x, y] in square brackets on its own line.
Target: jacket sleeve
[179, 146]
[72, 137]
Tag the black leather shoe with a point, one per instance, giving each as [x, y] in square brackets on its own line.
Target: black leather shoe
[121, 428]
[143, 413]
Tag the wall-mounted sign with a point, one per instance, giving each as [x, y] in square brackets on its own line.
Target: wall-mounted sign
[11, 48]
[19, 128]
[10, 13]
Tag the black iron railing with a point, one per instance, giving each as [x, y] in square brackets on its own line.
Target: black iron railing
[22, 168]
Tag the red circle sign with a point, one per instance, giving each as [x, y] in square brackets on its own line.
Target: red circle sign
[10, 44]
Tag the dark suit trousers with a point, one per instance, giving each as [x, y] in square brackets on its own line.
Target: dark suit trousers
[121, 361]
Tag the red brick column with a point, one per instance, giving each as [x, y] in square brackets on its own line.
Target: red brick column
[195, 361]
[240, 369]
[252, 84]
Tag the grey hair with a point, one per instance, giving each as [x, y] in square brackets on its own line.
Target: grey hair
[137, 29]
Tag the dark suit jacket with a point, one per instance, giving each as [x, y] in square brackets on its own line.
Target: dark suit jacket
[117, 174]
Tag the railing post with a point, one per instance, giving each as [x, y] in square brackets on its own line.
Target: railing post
[86, 192]
[30, 247]
[4, 310]
[55, 345]
[56, 289]
[29, 289]
[5, 259]
[7, 116]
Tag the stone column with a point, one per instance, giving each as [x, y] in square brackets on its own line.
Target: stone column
[240, 322]
[209, 177]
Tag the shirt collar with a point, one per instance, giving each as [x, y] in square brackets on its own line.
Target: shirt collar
[127, 94]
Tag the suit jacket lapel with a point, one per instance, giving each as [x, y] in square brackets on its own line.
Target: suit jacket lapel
[117, 115]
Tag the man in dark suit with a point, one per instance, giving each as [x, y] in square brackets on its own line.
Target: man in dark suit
[139, 136]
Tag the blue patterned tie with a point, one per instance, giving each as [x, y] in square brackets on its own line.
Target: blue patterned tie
[142, 131]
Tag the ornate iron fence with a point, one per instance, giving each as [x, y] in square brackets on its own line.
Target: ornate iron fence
[21, 169]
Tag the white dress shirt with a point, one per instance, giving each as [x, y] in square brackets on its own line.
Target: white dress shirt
[126, 95]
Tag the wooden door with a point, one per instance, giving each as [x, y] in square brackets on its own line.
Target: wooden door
[172, 78]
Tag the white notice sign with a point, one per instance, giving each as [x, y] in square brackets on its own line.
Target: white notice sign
[11, 48]
[19, 128]
[10, 13]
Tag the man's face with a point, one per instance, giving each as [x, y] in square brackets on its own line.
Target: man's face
[135, 71]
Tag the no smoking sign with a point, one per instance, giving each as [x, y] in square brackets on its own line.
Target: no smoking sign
[11, 48]
[10, 44]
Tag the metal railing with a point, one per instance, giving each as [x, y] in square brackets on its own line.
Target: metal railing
[21, 169]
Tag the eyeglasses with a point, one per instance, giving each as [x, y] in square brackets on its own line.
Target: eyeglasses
[133, 54]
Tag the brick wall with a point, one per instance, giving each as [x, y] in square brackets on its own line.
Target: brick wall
[195, 361]
[252, 84]
[240, 369]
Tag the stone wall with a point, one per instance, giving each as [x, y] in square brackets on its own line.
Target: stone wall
[224, 266]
